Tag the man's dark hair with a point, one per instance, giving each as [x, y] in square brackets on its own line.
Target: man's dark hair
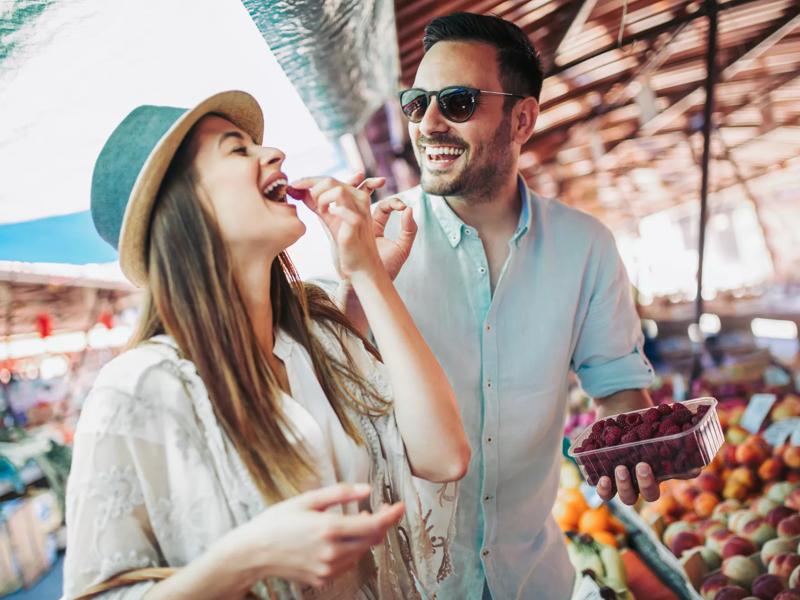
[518, 62]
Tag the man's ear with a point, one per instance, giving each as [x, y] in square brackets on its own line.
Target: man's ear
[526, 113]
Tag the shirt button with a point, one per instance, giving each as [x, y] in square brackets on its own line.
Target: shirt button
[468, 231]
[488, 384]
[482, 270]
[488, 328]
[489, 440]
[485, 552]
[487, 498]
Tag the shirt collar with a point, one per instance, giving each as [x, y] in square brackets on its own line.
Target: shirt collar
[526, 213]
[448, 220]
[453, 227]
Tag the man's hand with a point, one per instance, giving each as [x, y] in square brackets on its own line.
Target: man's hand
[648, 486]
[620, 402]
[394, 253]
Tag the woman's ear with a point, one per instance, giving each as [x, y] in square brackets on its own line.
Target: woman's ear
[527, 110]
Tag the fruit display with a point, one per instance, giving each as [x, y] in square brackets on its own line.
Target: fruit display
[736, 526]
[602, 562]
[676, 439]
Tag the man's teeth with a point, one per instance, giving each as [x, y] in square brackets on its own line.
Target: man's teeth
[442, 152]
[276, 190]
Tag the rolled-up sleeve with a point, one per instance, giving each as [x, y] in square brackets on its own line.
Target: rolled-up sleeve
[608, 355]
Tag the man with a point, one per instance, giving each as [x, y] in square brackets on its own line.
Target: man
[511, 291]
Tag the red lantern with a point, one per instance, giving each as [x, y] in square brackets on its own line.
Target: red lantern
[44, 325]
[106, 319]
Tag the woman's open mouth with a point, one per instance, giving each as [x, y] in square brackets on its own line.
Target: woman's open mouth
[276, 191]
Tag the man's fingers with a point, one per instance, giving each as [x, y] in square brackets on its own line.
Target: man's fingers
[381, 211]
[648, 486]
[408, 230]
[324, 498]
[605, 488]
[625, 489]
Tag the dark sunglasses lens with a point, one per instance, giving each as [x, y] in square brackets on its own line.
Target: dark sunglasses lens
[414, 104]
[457, 105]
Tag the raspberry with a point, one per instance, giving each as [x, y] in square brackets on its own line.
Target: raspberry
[589, 445]
[612, 435]
[644, 431]
[667, 467]
[695, 419]
[651, 415]
[664, 409]
[629, 437]
[686, 426]
[681, 414]
[634, 419]
[667, 427]
[664, 451]
[598, 427]
[702, 409]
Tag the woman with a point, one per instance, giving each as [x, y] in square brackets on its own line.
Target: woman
[248, 430]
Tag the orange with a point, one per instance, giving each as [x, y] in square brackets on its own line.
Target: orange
[574, 497]
[566, 515]
[616, 525]
[595, 520]
[604, 537]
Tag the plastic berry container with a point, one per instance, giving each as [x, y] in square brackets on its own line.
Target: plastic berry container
[674, 441]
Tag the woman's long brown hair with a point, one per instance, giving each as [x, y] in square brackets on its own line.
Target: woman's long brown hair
[193, 296]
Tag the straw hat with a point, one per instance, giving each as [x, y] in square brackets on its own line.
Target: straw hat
[129, 170]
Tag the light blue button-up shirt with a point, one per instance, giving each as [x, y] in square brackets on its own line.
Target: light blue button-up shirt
[563, 301]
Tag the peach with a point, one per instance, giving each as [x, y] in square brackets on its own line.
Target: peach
[735, 490]
[737, 546]
[788, 595]
[789, 527]
[780, 490]
[791, 457]
[751, 454]
[778, 514]
[762, 505]
[767, 586]
[736, 435]
[740, 518]
[731, 592]
[771, 469]
[782, 565]
[758, 531]
[674, 529]
[723, 510]
[772, 548]
[740, 570]
[683, 541]
[712, 585]
[716, 541]
[729, 455]
[744, 475]
[709, 482]
[704, 504]
[793, 500]
[713, 560]
[709, 526]
[794, 578]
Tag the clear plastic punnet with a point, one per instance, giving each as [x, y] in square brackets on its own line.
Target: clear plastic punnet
[676, 440]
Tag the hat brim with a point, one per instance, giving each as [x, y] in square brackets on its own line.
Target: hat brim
[238, 107]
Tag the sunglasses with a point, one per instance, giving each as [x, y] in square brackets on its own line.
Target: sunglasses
[456, 103]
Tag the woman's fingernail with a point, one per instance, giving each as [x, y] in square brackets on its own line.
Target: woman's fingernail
[622, 473]
[641, 470]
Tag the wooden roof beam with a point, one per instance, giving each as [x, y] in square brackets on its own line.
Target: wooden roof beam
[755, 49]
[584, 9]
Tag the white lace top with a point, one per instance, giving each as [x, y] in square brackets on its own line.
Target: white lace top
[155, 480]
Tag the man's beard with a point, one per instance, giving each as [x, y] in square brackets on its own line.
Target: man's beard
[489, 166]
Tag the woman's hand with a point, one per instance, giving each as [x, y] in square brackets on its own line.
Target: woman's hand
[345, 211]
[296, 540]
